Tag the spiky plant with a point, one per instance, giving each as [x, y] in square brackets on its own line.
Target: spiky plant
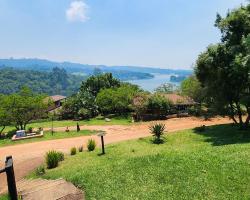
[157, 130]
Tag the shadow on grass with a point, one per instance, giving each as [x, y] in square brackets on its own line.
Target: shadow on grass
[219, 135]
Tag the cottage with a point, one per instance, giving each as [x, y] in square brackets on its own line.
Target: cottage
[180, 103]
[57, 101]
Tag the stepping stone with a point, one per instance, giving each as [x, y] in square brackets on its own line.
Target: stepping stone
[48, 190]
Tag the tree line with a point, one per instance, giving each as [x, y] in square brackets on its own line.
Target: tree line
[58, 81]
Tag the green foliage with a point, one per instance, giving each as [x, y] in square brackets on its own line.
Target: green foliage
[116, 100]
[167, 88]
[192, 87]
[158, 104]
[60, 156]
[40, 170]
[23, 107]
[30, 129]
[157, 130]
[10, 133]
[95, 84]
[73, 151]
[4, 115]
[52, 159]
[224, 69]
[80, 148]
[55, 82]
[91, 145]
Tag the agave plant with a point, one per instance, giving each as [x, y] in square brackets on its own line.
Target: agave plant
[157, 131]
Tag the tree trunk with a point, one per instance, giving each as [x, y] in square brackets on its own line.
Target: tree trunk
[1, 131]
[248, 118]
[239, 115]
[232, 116]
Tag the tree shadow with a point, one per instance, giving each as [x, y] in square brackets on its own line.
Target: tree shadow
[219, 135]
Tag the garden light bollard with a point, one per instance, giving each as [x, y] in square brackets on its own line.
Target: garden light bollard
[102, 134]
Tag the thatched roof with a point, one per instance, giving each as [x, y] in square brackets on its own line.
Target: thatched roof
[179, 100]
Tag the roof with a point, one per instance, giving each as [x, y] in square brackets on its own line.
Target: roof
[57, 98]
[179, 100]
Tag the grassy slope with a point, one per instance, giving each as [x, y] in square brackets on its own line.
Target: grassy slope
[64, 123]
[211, 165]
[48, 136]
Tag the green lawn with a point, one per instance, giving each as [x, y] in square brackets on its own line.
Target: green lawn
[48, 136]
[214, 164]
[64, 123]
[4, 197]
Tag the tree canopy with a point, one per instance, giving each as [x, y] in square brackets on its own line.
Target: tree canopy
[116, 100]
[52, 83]
[224, 68]
[19, 109]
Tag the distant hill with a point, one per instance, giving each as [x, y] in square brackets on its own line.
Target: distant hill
[58, 81]
[129, 72]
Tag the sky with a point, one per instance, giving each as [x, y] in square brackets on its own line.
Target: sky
[155, 33]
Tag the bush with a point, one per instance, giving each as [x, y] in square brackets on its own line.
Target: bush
[10, 133]
[60, 156]
[40, 170]
[73, 151]
[30, 130]
[91, 145]
[80, 148]
[157, 130]
[52, 159]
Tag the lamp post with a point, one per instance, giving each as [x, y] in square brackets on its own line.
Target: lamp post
[102, 134]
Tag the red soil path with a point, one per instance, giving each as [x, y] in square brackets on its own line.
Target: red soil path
[28, 156]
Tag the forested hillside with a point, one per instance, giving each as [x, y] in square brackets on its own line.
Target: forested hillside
[58, 81]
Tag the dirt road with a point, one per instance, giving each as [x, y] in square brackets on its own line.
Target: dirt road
[28, 156]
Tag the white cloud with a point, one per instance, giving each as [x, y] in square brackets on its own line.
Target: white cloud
[77, 11]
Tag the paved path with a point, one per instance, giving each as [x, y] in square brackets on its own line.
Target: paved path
[28, 156]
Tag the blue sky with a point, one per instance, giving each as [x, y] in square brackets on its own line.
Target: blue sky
[160, 33]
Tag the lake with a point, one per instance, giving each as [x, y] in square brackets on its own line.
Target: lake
[152, 84]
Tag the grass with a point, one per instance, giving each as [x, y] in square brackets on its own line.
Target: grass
[214, 164]
[63, 123]
[4, 197]
[48, 136]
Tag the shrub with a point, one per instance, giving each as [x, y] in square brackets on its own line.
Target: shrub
[40, 170]
[52, 159]
[30, 129]
[10, 133]
[60, 156]
[157, 130]
[73, 151]
[91, 145]
[80, 148]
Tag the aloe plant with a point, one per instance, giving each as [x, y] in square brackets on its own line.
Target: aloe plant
[157, 130]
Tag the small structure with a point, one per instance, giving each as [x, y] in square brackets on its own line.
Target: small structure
[180, 103]
[22, 135]
[102, 134]
[57, 102]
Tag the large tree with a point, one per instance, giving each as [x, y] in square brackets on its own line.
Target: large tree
[23, 107]
[4, 117]
[192, 87]
[116, 100]
[224, 68]
[94, 84]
